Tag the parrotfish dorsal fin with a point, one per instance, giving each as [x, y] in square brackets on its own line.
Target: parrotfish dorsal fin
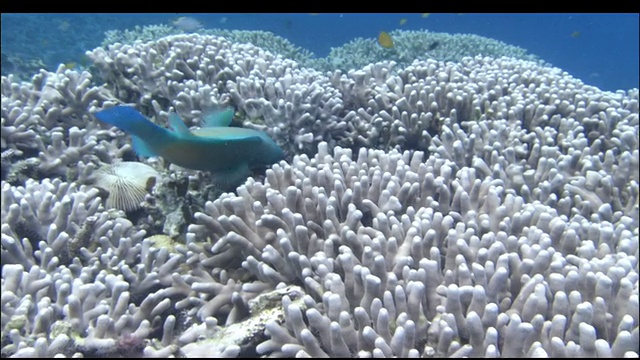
[218, 118]
[178, 125]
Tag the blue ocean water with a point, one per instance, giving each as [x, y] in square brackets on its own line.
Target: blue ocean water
[599, 49]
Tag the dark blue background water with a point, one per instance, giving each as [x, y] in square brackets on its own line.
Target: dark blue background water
[603, 50]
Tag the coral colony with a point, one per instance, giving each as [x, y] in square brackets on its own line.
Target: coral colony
[482, 207]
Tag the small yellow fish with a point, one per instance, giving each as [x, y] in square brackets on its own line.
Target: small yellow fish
[576, 34]
[425, 15]
[70, 65]
[384, 39]
[64, 25]
[403, 21]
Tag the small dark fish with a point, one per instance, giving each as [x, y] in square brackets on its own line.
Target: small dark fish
[85, 61]
[433, 45]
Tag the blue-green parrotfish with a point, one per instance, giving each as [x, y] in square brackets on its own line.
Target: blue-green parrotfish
[228, 152]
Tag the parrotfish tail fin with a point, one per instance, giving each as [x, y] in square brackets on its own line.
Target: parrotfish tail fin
[132, 122]
[218, 118]
[230, 179]
[126, 118]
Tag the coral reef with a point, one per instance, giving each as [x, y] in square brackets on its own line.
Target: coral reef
[203, 73]
[263, 39]
[416, 45]
[428, 252]
[20, 67]
[359, 52]
[51, 118]
[486, 206]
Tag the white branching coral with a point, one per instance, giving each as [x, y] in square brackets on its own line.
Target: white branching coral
[402, 256]
[485, 207]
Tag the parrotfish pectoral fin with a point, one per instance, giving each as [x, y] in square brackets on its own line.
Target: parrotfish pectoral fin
[178, 126]
[228, 180]
[141, 147]
[218, 118]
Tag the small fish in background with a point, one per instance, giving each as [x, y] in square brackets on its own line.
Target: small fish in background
[64, 25]
[433, 45]
[223, 20]
[576, 34]
[403, 21]
[70, 65]
[186, 23]
[126, 182]
[425, 15]
[85, 61]
[314, 14]
[287, 24]
[385, 40]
